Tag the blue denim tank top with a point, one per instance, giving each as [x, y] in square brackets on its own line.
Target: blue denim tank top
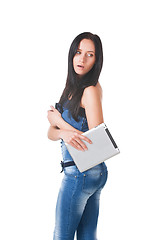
[81, 125]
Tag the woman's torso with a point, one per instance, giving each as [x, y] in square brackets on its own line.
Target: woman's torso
[81, 125]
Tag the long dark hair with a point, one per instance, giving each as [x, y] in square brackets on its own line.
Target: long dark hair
[74, 85]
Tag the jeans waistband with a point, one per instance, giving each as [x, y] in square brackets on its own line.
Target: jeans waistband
[67, 164]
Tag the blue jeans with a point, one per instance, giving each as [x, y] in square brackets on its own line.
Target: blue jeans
[77, 207]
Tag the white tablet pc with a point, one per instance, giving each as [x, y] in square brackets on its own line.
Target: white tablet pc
[102, 148]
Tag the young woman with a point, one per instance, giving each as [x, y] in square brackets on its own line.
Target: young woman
[79, 109]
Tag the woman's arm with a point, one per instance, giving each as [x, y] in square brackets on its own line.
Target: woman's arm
[93, 106]
[56, 120]
[71, 137]
[60, 129]
[54, 133]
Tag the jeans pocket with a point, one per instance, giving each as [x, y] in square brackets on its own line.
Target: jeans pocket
[91, 183]
[94, 182]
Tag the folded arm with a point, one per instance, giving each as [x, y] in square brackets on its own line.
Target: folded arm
[56, 121]
[60, 129]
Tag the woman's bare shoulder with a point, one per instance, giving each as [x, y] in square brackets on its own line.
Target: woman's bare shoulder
[91, 92]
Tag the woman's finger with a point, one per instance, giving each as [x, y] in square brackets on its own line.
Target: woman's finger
[81, 143]
[85, 138]
[52, 107]
[74, 144]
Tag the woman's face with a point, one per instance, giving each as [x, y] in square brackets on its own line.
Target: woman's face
[84, 58]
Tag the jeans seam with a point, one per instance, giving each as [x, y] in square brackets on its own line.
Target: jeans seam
[69, 210]
[83, 190]
[106, 177]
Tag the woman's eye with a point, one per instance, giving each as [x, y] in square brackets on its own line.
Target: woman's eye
[90, 55]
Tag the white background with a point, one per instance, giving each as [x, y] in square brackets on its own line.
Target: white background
[34, 44]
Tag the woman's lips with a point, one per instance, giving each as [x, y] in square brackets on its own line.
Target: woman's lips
[80, 66]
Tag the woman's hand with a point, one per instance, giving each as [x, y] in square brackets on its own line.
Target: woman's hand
[74, 139]
[53, 116]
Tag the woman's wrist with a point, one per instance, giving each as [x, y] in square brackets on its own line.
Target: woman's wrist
[61, 133]
[60, 122]
[57, 122]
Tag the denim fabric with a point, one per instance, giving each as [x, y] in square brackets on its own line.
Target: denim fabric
[77, 206]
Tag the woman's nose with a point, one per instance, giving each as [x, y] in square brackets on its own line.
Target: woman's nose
[82, 58]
